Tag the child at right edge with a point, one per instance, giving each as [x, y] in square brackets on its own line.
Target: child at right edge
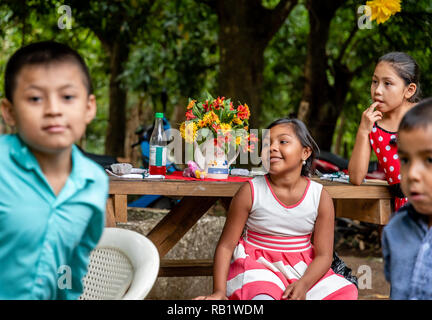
[407, 238]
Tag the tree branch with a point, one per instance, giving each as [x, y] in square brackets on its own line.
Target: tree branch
[346, 43]
[277, 16]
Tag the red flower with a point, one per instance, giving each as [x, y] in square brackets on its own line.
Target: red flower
[243, 112]
[190, 115]
[206, 106]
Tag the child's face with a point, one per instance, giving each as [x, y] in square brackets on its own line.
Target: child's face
[51, 107]
[282, 150]
[388, 88]
[415, 154]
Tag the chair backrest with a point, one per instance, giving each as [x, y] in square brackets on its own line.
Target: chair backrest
[124, 265]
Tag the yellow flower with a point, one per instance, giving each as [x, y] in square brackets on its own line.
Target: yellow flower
[225, 127]
[188, 131]
[211, 117]
[201, 123]
[182, 129]
[238, 140]
[382, 10]
[236, 120]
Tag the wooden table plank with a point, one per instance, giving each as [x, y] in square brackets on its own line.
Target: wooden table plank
[174, 187]
[337, 190]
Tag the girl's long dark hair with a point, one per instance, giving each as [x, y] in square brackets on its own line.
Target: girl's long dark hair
[305, 138]
[407, 68]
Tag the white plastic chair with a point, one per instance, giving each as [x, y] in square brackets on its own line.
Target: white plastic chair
[124, 265]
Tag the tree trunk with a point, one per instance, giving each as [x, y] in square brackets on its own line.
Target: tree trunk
[241, 70]
[245, 29]
[320, 106]
[116, 130]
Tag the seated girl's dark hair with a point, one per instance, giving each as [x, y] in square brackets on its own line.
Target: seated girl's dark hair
[42, 53]
[419, 116]
[407, 68]
[305, 138]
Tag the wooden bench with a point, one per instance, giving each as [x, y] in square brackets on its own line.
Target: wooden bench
[186, 268]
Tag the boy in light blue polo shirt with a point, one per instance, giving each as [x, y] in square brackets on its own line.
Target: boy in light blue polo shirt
[52, 198]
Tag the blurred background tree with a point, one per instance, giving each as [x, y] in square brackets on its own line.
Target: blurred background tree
[305, 58]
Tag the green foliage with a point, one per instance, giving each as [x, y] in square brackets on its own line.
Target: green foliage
[284, 64]
[176, 53]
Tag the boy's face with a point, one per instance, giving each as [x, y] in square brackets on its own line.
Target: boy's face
[415, 154]
[51, 107]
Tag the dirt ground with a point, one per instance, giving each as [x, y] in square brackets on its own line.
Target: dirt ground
[356, 244]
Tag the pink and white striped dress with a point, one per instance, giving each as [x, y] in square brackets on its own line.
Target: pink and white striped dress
[275, 249]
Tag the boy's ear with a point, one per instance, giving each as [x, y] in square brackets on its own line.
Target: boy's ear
[412, 87]
[7, 112]
[90, 109]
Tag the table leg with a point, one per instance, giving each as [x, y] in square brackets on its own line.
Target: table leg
[178, 221]
[109, 213]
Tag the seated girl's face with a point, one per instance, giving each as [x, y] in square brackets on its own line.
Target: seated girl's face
[415, 154]
[282, 150]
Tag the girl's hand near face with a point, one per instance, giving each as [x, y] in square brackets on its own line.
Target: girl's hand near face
[369, 117]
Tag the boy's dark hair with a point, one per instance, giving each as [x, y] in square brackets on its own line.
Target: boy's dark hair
[42, 53]
[305, 138]
[407, 68]
[419, 116]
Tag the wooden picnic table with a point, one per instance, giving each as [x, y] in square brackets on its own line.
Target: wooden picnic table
[369, 202]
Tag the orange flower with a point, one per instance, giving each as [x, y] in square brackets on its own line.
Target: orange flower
[218, 103]
[191, 104]
[243, 112]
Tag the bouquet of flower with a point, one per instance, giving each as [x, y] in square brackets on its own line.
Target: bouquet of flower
[228, 124]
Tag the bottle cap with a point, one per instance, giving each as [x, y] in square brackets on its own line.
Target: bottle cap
[159, 115]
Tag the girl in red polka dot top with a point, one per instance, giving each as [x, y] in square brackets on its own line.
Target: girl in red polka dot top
[395, 89]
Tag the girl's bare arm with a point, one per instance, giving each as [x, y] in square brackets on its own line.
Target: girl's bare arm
[323, 248]
[359, 161]
[237, 216]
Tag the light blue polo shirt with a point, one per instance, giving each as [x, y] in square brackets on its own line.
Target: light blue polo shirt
[45, 240]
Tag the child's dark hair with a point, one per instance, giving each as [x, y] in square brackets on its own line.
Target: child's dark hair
[419, 116]
[407, 68]
[305, 138]
[42, 53]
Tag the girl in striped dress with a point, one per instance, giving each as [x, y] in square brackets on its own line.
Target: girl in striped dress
[276, 216]
[395, 89]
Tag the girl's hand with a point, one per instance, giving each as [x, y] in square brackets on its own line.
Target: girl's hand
[295, 291]
[369, 117]
[214, 296]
